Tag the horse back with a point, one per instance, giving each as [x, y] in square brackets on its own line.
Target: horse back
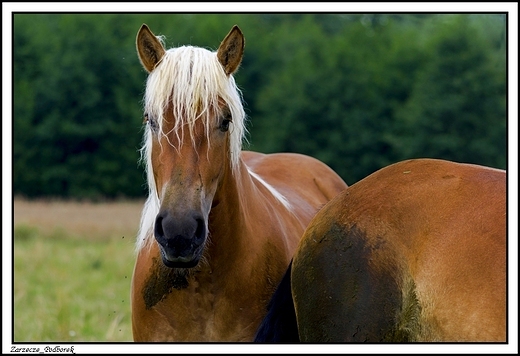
[300, 177]
[413, 252]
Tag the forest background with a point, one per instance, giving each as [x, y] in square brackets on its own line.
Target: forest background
[357, 91]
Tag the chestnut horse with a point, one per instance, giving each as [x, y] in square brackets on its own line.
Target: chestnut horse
[220, 225]
[415, 252]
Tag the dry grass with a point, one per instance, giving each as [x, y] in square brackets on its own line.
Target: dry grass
[93, 221]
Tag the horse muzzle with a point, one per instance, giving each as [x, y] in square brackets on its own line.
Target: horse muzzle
[181, 239]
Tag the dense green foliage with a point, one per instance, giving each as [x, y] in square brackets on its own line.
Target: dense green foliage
[356, 91]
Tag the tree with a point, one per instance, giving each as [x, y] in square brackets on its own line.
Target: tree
[457, 110]
[357, 91]
[79, 135]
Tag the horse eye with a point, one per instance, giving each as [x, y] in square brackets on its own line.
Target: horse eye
[150, 121]
[224, 126]
[227, 119]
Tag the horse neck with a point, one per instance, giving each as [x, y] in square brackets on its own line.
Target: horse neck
[228, 216]
[234, 240]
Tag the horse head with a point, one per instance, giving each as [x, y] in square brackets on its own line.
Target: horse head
[194, 129]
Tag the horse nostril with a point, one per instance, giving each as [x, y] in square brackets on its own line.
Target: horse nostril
[168, 230]
[158, 229]
[200, 232]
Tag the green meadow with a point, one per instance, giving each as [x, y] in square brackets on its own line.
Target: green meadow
[71, 285]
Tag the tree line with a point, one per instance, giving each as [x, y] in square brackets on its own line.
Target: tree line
[357, 91]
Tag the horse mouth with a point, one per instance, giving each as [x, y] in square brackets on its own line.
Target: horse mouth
[173, 261]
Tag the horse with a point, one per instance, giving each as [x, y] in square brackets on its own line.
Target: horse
[220, 224]
[414, 252]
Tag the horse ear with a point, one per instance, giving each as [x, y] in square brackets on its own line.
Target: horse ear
[231, 50]
[149, 48]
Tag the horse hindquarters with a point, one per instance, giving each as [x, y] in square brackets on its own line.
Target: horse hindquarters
[344, 296]
[353, 310]
[414, 252]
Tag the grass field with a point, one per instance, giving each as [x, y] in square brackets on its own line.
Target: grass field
[72, 267]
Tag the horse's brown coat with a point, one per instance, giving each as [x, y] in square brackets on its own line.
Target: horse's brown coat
[414, 252]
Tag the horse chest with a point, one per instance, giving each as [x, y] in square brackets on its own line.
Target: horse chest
[198, 307]
[203, 313]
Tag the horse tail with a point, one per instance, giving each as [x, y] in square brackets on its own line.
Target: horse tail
[279, 325]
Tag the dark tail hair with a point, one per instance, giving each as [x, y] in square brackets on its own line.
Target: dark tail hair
[279, 325]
